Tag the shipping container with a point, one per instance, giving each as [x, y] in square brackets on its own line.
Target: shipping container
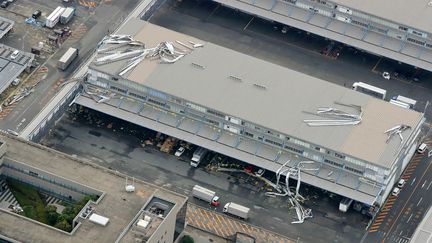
[67, 58]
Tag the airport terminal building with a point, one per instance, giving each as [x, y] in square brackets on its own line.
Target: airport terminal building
[252, 110]
[385, 28]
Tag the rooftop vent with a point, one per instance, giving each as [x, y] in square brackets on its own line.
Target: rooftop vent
[198, 65]
[235, 78]
[260, 86]
[430, 3]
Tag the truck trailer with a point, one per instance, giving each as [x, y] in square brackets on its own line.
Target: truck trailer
[345, 204]
[54, 17]
[205, 195]
[236, 210]
[67, 58]
[198, 156]
[67, 15]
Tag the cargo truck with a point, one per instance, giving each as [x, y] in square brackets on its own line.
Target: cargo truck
[236, 210]
[67, 15]
[54, 17]
[205, 195]
[198, 156]
[67, 58]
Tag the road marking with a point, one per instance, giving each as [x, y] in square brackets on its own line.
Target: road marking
[406, 202]
[423, 184]
[430, 183]
[250, 21]
[419, 201]
[412, 182]
[376, 65]
[409, 218]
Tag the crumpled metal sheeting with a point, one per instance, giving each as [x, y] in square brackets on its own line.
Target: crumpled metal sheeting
[294, 196]
[335, 117]
[396, 130]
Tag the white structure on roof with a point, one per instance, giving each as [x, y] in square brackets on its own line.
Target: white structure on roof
[255, 111]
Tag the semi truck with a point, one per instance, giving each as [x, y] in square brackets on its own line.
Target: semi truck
[197, 156]
[54, 17]
[236, 210]
[205, 195]
[67, 58]
[67, 15]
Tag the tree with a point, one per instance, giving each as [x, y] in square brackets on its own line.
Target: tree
[51, 214]
[63, 225]
[187, 239]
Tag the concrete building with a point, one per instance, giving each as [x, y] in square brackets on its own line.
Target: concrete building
[12, 63]
[6, 25]
[253, 111]
[396, 29]
[69, 179]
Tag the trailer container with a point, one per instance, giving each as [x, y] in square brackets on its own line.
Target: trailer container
[67, 58]
[54, 17]
[205, 195]
[67, 15]
[236, 210]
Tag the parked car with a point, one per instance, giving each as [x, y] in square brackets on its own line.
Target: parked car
[396, 191]
[179, 151]
[401, 183]
[36, 14]
[422, 148]
[14, 54]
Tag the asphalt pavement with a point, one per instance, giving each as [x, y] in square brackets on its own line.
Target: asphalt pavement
[399, 216]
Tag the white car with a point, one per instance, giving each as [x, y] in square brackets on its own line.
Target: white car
[179, 151]
[14, 54]
[386, 75]
[422, 148]
[396, 191]
[401, 183]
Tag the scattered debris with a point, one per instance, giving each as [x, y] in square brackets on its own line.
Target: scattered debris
[396, 130]
[335, 117]
[294, 197]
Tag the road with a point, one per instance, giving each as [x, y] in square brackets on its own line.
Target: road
[122, 152]
[94, 25]
[400, 215]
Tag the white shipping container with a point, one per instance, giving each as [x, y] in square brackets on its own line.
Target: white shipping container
[67, 15]
[54, 17]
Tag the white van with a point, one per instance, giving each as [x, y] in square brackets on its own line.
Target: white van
[422, 148]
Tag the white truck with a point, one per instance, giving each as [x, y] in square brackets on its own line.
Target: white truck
[405, 100]
[236, 210]
[197, 156]
[345, 204]
[67, 58]
[205, 195]
[67, 15]
[54, 17]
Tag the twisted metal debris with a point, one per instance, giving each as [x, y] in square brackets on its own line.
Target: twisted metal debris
[335, 117]
[294, 196]
[166, 51]
[396, 130]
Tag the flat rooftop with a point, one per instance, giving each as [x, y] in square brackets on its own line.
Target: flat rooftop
[117, 205]
[413, 13]
[5, 26]
[272, 96]
[11, 68]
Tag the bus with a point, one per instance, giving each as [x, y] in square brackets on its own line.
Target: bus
[369, 89]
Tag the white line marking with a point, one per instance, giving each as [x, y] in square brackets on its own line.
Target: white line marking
[409, 218]
[424, 184]
[412, 182]
[430, 183]
[419, 201]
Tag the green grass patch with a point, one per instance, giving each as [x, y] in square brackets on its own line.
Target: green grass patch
[29, 199]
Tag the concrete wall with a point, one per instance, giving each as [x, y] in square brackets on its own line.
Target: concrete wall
[48, 182]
